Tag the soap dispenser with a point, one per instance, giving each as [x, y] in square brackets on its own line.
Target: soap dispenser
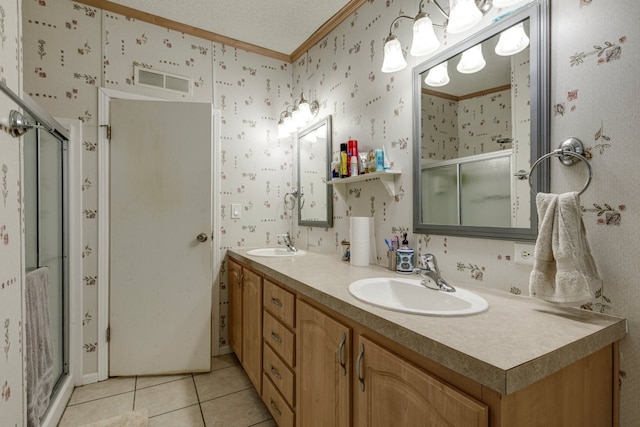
[405, 257]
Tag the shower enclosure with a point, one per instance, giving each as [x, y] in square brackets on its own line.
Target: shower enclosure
[46, 232]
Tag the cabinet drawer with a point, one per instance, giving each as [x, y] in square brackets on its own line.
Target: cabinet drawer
[280, 411]
[279, 374]
[279, 338]
[279, 302]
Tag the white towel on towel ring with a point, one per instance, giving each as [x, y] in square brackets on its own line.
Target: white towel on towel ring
[564, 271]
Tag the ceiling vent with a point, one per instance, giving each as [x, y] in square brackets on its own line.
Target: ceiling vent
[161, 80]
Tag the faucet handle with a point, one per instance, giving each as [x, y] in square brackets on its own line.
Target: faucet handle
[283, 238]
[429, 263]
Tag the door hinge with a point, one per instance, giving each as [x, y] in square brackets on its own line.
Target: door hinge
[108, 130]
[108, 333]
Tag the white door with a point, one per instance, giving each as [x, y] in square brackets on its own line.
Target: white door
[161, 225]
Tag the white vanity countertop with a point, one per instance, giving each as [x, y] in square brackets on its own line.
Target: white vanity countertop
[516, 342]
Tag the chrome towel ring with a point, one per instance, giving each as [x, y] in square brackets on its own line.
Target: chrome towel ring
[569, 153]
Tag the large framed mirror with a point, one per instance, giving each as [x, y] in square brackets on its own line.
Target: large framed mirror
[315, 204]
[481, 118]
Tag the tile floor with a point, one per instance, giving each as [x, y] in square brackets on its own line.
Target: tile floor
[222, 397]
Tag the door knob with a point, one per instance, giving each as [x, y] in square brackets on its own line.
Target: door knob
[202, 237]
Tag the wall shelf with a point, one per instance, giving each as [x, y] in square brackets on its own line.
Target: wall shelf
[387, 178]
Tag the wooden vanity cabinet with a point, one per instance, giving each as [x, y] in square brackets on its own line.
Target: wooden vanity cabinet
[391, 391]
[245, 319]
[316, 367]
[279, 338]
[324, 370]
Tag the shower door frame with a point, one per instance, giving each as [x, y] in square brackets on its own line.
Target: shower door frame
[72, 230]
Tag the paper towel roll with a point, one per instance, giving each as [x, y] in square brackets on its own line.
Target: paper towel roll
[360, 254]
[360, 229]
[360, 240]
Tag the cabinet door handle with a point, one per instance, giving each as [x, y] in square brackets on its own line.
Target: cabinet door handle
[275, 373]
[275, 337]
[274, 407]
[276, 301]
[359, 367]
[341, 361]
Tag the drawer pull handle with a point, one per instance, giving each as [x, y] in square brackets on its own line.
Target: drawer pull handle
[275, 337]
[341, 361]
[274, 407]
[275, 373]
[276, 302]
[359, 367]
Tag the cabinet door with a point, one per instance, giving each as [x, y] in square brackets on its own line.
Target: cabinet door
[390, 391]
[234, 282]
[252, 327]
[323, 397]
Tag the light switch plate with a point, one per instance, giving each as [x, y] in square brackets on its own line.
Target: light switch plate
[523, 253]
[236, 210]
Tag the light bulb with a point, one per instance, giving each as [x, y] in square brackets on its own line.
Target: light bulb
[393, 57]
[463, 14]
[472, 60]
[282, 130]
[512, 40]
[424, 37]
[438, 75]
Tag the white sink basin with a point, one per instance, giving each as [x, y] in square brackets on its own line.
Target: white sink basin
[274, 252]
[409, 296]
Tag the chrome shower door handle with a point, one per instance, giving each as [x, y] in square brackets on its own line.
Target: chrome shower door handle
[202, 237]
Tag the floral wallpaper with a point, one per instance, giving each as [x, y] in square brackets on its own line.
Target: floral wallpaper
[12, 375]
[594, 94]
[71, 49]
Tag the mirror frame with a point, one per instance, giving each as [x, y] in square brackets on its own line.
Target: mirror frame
[538, 14]
[329, 221]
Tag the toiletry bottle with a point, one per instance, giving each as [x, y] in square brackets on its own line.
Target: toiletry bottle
[379, 160]
[405, 257]
[344, 161]
[352, 150]
[354, 166]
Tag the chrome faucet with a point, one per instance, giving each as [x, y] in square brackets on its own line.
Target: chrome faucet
[430, 270]
[285, 239]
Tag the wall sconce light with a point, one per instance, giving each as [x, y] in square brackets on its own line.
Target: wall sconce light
[512, 40]
[438, 75]
[472, 60]
[463, 14]
[301, 112]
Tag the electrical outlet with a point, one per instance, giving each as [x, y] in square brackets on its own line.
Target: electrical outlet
[236, 210]
[523, 253]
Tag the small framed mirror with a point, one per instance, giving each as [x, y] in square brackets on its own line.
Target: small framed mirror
[315, 204]
[481, 112]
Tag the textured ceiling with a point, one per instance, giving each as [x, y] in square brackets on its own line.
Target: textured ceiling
[279, 25]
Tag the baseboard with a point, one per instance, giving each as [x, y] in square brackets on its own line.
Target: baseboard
[225, 349]
[90, 378]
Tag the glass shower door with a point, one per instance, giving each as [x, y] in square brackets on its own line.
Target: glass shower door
[46, 230]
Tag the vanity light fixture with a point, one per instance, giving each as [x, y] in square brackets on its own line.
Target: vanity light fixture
[463, 15]
[301, 112]
[505, 3]
[472, 60]
[438, 75]
[512, 41]
[285, 124]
